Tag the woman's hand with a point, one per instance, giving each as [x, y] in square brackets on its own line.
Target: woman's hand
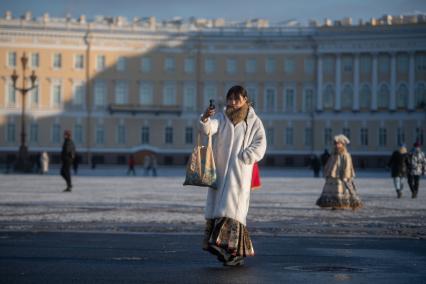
[209, 112]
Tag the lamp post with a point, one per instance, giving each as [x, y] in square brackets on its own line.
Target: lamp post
[23, 164]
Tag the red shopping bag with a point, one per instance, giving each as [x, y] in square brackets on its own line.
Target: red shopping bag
[255, 178]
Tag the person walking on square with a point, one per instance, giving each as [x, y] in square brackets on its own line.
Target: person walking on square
[44, 162]
[339, 191]
[67, 158]
[416, 168]
[239, 141]
[131, 165]
[315, 165]
[398, 166]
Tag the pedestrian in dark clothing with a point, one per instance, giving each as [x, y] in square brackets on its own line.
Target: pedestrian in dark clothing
[315, 165]
[76, 163]
[93, 160]
[67, 158]
[416, 168]
[131, 164]
[398, 166]
[324, 158]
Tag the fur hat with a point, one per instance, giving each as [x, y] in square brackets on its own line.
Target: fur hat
[342, 139]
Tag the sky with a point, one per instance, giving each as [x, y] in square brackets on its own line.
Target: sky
[274, 10]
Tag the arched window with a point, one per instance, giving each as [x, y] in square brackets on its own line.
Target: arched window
[347, 96]
[383, 97]
[402, 96]
[328, 96]
[365, 96]
[420, 95]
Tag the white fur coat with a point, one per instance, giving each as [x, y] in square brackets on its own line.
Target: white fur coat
[235, 150]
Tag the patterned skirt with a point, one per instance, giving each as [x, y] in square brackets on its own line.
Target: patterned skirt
[229, 235]
[337, 196]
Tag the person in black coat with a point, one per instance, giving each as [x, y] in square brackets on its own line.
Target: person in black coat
[398, 166]
[315, 165]
[67, 158]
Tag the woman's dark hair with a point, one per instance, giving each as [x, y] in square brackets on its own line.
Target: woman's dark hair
[237, 92]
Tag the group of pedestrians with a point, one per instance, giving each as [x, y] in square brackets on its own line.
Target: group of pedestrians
[407, 165]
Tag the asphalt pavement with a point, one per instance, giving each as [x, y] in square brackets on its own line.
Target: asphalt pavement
[81, 257]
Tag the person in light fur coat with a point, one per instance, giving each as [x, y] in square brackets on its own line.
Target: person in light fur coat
[239, 141]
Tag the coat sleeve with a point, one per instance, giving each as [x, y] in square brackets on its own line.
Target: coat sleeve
[210, 126]
[257, 148]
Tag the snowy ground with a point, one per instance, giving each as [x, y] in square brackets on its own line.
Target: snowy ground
[107, 200]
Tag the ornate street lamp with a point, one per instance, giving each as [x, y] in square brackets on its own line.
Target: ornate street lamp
[23, 164]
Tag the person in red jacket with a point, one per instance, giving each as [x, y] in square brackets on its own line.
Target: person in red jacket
[131, 165]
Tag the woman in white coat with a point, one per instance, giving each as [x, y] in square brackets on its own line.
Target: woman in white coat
[44, 161]
[238, 142]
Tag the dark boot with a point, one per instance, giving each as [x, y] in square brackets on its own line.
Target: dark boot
[398, 193]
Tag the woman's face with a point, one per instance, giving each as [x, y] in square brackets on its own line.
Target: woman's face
[236, 102]
[339, 146]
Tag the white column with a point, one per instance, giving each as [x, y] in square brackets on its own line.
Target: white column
[374, 80]
[411, 78]
[392, 103]
[337, 103]
[356, 82]
[319, 83]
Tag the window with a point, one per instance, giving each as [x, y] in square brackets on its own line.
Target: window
[383, 96]
[251, 66]
[121, 63]
[402, 63]
[35, 60]
[57, 94]
[169, 135]
[209, 94]
[169, 94]
[328, 96]
[365, 64]
[78, 133]
[420, 62]
[347, 97]
[100, 62]
[100, 93]
[189, 100]
[146, 93]
[400, 136]
[35, 95]
[289, 136]
[289, 100]
[402, 96]
[328, 65]
[11, 59]
[57, 60]
[270, 65]
[252, 94]
[11, 95]
[121, 134]
[308, 66]
[11, 132]
[79, 61]
[169, 64]
[347, 132]
[209, 65]
[189, 135]
[145, 135]
[382, 137]
[308, 103]
[364, 137]
[78, 94]
[189, 65]
[231, 66]
[289, 66]
[121, 92]
[365, 97]
[100, 134]
[327, 136]
[419, 135]
[146, 64]
[420, 93]
[308, 137]
[56, 133]
[270, 99]
[347, 63]
[384, 64]
[270, 136]
[33, 133]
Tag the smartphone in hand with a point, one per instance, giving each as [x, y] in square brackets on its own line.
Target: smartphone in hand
[212, 106]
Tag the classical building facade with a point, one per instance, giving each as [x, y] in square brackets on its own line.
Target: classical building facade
[137, 87]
